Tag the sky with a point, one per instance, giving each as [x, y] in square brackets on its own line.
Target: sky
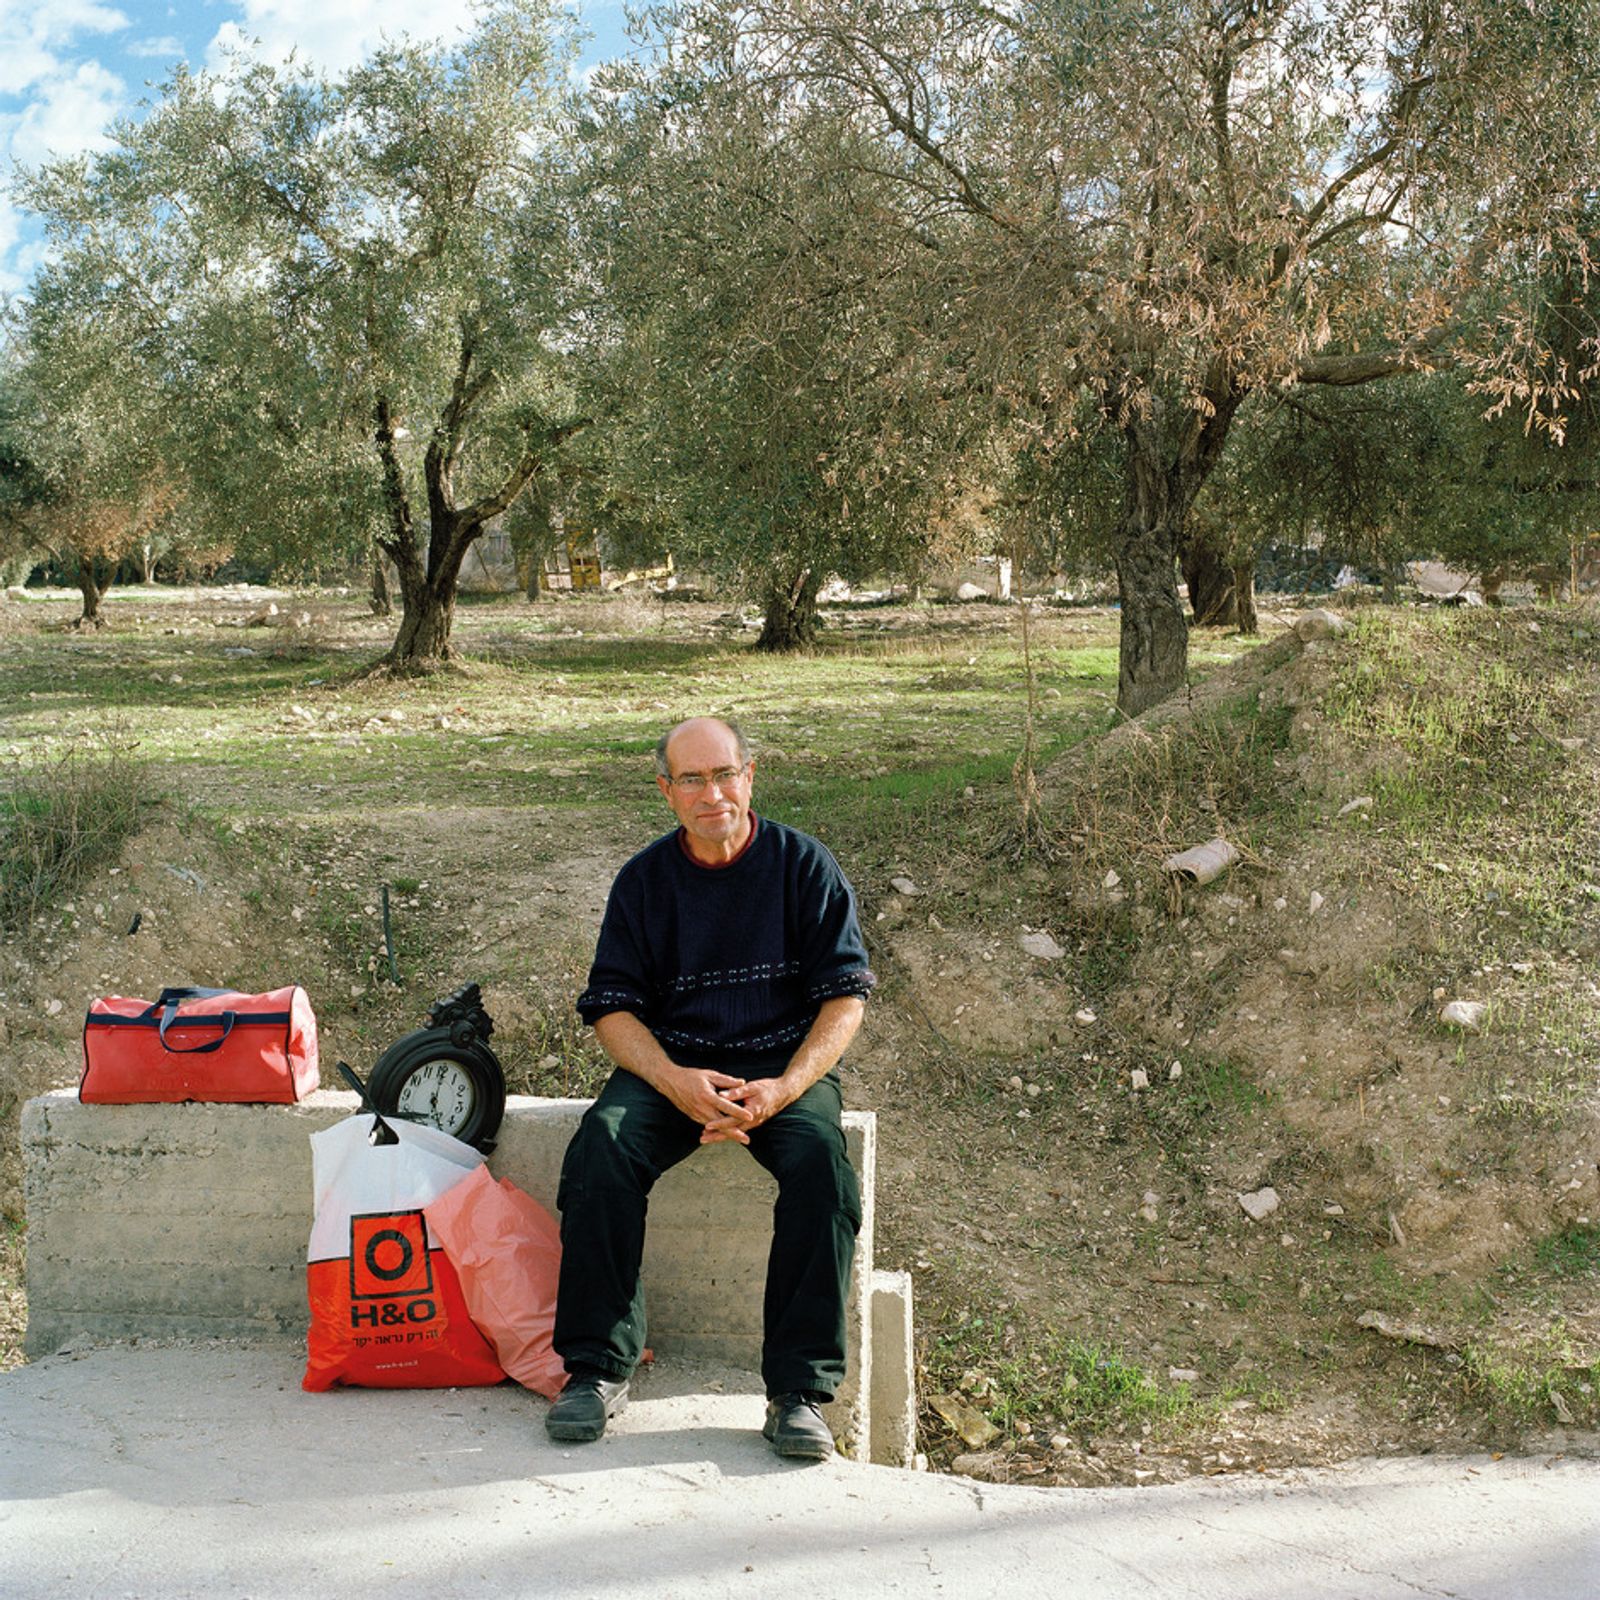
[68, 68]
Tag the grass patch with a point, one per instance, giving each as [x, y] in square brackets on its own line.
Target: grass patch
[1046, 1380]
[1461, 712]
[61, 819]
[1115, 819]
[1572, 1253]
[1544, 1381]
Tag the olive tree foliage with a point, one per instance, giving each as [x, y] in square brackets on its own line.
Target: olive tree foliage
[1164, 209]
[1441, 463]
[1411, 469]
[88, 473]
[358, 291]
[780, 414]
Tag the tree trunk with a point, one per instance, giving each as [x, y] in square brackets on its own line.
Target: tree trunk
[382, 604]
[1212, 592]
[533, 586]
[1244, 599]
[427, 614]
[790, 620]
[1154, 648]
[147, 562]
[92, 588]
[1168, 453]
[428, 599]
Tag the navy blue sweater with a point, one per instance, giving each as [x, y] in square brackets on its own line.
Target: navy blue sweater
[729, 966]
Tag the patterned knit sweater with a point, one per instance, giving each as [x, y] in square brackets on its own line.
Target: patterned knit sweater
[729, 966]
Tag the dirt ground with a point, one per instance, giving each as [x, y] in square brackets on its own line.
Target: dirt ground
[1063, 1146]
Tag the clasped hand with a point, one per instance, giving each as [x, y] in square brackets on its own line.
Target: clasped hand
[727, 1108]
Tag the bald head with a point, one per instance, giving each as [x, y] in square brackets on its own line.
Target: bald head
[695, 728]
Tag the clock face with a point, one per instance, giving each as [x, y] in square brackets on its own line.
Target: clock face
[439, 1092]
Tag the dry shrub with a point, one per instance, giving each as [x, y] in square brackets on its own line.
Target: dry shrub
[61, 818]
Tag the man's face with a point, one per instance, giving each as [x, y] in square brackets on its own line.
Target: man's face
[715, 815]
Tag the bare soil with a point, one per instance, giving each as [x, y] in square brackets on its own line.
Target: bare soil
[1036, 1194]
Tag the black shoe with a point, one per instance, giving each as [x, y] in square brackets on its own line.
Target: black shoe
[795, 1428]
[582, 1409]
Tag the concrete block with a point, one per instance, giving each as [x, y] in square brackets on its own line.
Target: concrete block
[192, 1220]
[893, 1409]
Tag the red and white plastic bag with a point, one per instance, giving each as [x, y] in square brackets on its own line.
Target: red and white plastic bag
[506, 1248]
[387, 1309]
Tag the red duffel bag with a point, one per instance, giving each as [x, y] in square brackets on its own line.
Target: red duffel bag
[200, 1044]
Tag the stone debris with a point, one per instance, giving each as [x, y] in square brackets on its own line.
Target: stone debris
[263, 618]
[1467, 1015]
[1320, 624]
[1362, 802]
[1401, 1332]
[1182, 1375]
[1174, 1072]
[1260, 1205]
[905, 886]
[1139, 1078]
[1111, 880]
[1085, 1017]
[973, 1428]
[1315, 904]
[1040, 944]
[1149, 1210]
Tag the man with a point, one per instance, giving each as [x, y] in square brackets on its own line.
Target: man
[729, 978]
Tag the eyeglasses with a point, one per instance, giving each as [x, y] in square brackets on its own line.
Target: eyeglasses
[694, 782]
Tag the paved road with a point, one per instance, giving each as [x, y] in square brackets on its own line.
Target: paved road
[205, 1471]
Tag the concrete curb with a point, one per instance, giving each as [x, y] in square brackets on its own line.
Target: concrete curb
[180, 1221]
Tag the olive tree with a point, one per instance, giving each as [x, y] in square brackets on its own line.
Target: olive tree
[89, 475]
[1164, 210]
[779, 414]
[358, 289]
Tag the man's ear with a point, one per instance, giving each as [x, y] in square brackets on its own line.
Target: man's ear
[664, 787]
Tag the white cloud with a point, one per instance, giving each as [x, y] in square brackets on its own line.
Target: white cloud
[21, 252]
[33, 33]
[165, 49]
[66, 115]
[335, 34]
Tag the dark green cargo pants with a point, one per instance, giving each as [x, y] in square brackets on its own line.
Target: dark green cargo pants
[627, 1139]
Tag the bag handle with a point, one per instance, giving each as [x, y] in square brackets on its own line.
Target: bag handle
[183, 992]
[167, 1005]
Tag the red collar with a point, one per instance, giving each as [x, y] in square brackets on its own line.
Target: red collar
[719, 866]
